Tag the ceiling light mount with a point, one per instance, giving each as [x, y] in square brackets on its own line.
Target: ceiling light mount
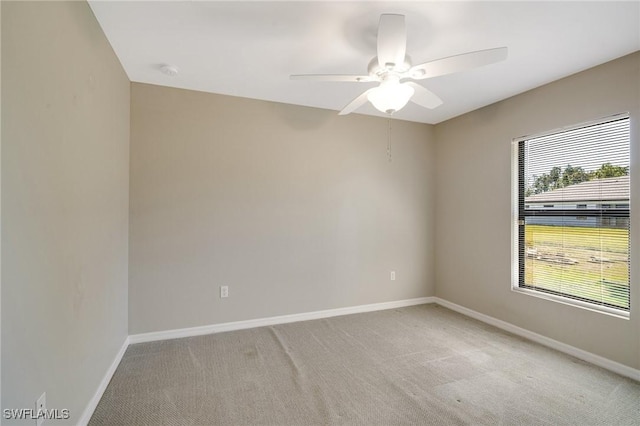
[170, 70]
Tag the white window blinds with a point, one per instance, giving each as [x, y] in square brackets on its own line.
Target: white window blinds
[573, 213]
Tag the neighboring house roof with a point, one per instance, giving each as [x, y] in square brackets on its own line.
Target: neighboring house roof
[612, 189]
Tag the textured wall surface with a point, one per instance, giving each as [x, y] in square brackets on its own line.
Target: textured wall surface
[65, 180]
[295, 209]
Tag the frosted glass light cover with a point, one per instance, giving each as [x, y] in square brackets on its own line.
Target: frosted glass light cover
[390, 96]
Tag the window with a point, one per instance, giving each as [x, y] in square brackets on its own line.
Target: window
[577, 252]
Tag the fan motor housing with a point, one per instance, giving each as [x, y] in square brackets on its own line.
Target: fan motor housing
[375, 69]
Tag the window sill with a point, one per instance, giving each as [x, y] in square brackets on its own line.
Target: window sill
[617, 313]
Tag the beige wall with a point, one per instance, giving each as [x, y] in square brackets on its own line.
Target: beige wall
[473, 206]
[295, 209]
[65, 151]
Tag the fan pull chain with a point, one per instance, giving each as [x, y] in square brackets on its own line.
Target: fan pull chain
[389, 139]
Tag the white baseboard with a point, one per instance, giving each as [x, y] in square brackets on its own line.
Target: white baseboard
[282, 319]
[93, 403]
[598, 360]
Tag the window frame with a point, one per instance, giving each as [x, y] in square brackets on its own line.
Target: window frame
[518, 229]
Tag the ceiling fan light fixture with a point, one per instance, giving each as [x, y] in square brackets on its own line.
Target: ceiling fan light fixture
[392, 64]
[390, 96]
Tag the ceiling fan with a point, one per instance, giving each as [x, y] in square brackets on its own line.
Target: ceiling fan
[393, 69]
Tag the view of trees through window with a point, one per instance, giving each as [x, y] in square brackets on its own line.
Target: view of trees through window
[574, 219]
[558, 178]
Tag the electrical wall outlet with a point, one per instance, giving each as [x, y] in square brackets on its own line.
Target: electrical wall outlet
[41, 407]
[224, 291]
[392, 275]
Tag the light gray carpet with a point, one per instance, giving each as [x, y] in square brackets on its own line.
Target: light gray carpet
[416, 365]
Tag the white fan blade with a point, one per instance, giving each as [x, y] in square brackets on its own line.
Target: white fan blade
[333, 77]
[356, 103]
[424, 97]
[392, 40]
[458, 63]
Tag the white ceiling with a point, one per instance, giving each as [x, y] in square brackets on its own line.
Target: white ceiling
[249, 49]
